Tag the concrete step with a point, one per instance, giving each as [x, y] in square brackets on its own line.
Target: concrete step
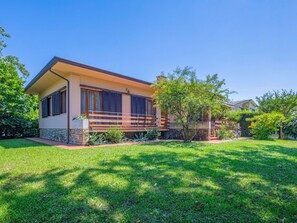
[214, 138]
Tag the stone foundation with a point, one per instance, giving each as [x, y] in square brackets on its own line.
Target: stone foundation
[79, 136]
[76, 136]
[59, 135]
[201, 135]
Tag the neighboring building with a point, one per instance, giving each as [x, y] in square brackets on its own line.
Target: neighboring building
[248, 104]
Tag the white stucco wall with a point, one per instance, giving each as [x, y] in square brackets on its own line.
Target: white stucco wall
[76, 80]
[57, 121]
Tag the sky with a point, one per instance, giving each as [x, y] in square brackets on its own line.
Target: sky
[250, 44]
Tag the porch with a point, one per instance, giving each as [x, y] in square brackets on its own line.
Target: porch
[100, 121]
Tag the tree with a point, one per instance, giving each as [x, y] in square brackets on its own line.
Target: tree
[18, 111]
[284, 102]
[241, 117]
[264, 125]
[185, 97]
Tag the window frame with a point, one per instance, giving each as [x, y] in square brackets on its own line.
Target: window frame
[153, 112]
[87, 90]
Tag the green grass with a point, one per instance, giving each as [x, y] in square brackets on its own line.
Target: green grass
[240, 181]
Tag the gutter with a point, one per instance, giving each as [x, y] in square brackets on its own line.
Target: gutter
[68, 102]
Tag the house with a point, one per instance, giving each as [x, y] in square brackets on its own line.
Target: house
[68, 89]
[248, 104]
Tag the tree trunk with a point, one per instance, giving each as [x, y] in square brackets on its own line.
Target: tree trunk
[281, 132]
[186, 133]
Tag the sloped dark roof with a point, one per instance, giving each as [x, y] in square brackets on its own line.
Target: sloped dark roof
[55, 60]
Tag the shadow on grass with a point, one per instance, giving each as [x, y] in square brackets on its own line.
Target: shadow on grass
[178, 145]
[226, 186]
[19, 144]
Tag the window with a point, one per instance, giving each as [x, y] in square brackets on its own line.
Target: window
[150, 110]
[83, 96]
[90, 101]
[142, 105]
[54, 104]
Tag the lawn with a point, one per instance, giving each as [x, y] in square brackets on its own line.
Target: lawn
[240, 181]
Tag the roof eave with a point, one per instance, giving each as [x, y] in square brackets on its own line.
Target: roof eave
[55, 60]
[50, 64]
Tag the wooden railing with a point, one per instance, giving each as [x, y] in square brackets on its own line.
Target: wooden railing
[103, 120]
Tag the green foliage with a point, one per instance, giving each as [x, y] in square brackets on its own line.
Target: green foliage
[18, 111]
[290, 128]
[263, 126]
[80, 117]
[225, 133]
[283, 101]
[152, 134]
[3, 35]
[114, 135]
[140, 137]
[242, 117]
[183, 96]
[96, 138]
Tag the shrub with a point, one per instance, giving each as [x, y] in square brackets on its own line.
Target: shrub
[140, 137]
[96, 139]
[241, 117]
[263, 126]
[290, 129]
[224, 133]
[114, 135]
[152, 134]
[80, 117]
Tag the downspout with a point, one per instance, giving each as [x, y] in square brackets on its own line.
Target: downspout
[68, 102]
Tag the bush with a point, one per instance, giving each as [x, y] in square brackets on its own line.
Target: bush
[114, 135]
[80, 117]
[290, 129]
[96, 138]
[241, 117]
[152, 134]
[263, 126]
[140, 137]
[224, 133]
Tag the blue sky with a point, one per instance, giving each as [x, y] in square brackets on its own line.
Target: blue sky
[251, 44]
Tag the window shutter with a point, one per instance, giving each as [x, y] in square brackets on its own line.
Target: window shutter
[44, 108]
[117, 98]
[56, 103]
[105, 102]
[63, 102]
[138, 105]
[112, 102]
